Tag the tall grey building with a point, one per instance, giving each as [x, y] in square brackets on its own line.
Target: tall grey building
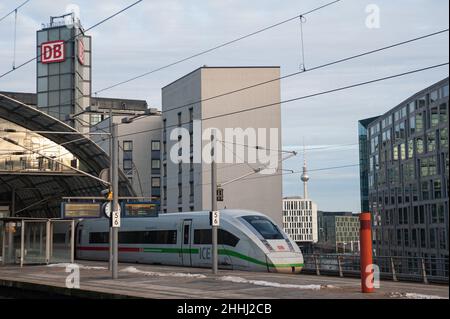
[187, 103]
[63, 70]
[407, 176]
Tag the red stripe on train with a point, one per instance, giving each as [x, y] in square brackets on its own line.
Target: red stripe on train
[121, 249]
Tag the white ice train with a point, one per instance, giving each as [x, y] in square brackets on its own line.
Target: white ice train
[247, 240]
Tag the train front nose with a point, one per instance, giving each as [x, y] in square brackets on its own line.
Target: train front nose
[285, 262]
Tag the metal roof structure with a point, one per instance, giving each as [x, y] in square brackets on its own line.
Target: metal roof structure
[41, 190]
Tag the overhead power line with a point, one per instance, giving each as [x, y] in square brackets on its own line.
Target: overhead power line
[215, 48]
[309, 70]
[301, 72]
[300, 172]
[14, 10]
[299, 98]
[88, 29]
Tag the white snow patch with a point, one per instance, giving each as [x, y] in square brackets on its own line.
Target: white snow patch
[273, 284]
[64, 265]
[411, 295]
[134, 270]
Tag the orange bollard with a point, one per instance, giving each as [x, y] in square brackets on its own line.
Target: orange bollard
[365, 238]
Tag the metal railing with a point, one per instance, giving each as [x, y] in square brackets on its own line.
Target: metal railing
[396, 268]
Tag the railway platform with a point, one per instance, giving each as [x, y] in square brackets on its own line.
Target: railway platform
[153, 281]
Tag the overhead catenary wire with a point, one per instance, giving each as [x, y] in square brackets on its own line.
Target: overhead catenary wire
[295, 73]
[14, 10]
[215, 47]
[292, 172]
[74, 37]
[342, 88]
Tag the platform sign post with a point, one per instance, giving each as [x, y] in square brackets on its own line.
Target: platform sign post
[214, 224]
[115, 201]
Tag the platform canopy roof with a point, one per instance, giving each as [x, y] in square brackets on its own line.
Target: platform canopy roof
[37, 190]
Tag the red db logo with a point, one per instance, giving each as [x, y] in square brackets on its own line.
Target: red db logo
[52, 51]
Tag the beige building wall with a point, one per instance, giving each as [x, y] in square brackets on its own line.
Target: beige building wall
[257, 192]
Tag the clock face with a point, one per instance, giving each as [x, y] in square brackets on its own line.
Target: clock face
[107, 209]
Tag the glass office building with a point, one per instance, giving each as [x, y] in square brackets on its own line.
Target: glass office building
[405, 169]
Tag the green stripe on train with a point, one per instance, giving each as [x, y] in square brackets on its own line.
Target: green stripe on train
[226, 252]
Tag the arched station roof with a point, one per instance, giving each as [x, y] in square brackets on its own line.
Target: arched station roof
[48, 187]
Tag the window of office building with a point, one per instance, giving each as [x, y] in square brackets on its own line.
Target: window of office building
[403, 151]
[419, 145]
[179, 119]
[412, 124]
[395, 153]
[442, 238]
[423, 167]
[434, 96]
[156, 145]
[425, 191]
[443, 135]
[156, 182]
[95, 119]
[437, 188]
[443, 113]
[434, 116]
[421, 101]
[419, 122]
[180, 191]
[444, 91]
[127, 145]
[191, 188]
[156, 164]
[127, 164]
[422, 238]
[410, 148]
[433, 238]
[432, 168]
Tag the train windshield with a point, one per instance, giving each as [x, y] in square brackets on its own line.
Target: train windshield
[264, 227]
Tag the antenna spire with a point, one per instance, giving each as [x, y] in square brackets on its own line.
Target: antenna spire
[304, 177]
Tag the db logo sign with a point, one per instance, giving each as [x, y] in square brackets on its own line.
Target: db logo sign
[52, 51]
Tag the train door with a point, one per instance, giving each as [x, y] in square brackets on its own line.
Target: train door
[186, 243]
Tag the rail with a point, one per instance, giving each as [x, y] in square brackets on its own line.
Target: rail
[396, 268]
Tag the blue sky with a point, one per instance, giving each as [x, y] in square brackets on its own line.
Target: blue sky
[158, 32]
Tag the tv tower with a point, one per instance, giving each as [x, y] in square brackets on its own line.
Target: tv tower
[304, 177]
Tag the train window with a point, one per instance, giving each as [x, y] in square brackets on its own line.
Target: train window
[204, 237]
[264, 227]
[99, 238]
[137, 237]
[149, 237]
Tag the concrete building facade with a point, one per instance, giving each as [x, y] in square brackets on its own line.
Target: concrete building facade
[300, 219]
[139, 151]
[187, 103]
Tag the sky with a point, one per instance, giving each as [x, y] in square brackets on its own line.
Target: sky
[155, 33]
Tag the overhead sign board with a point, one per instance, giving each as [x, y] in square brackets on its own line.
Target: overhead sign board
[53, 51]
[80, 210]
[141, 209]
